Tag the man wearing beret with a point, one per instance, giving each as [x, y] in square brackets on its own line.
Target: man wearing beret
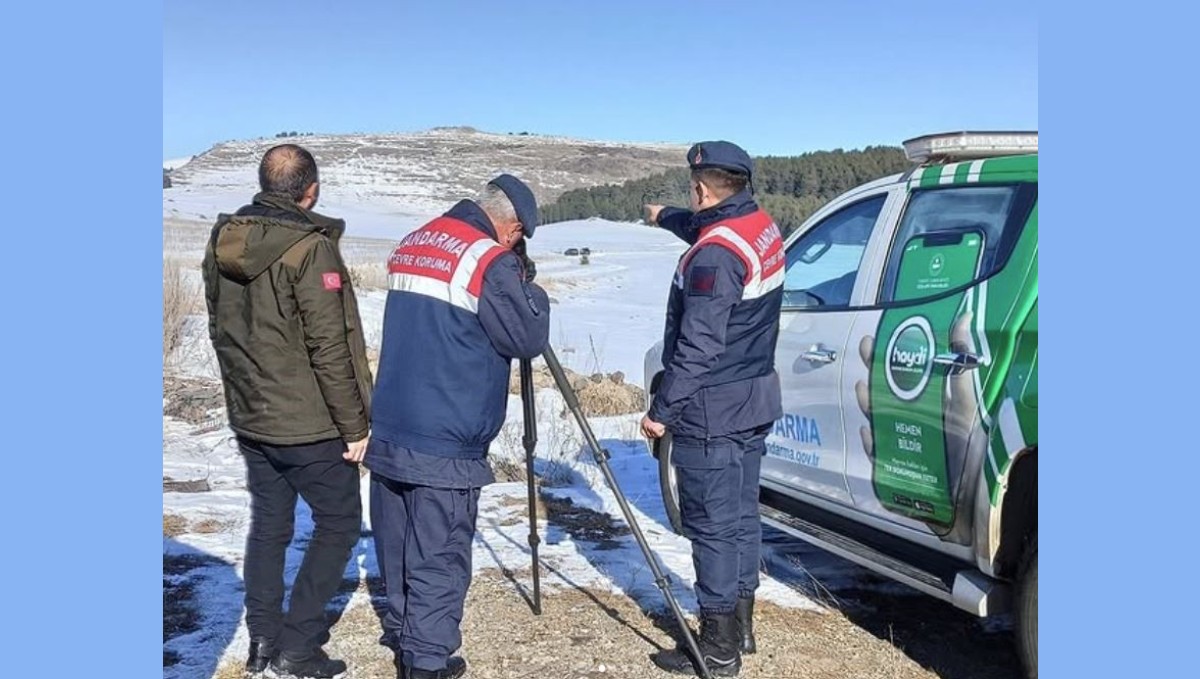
[720, 394]
[461, 305]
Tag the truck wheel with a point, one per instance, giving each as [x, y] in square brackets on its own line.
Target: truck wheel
[667, 483]
[1027, 609]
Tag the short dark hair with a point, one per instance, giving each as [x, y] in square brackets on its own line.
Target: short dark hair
[287, 169]
[721, 182]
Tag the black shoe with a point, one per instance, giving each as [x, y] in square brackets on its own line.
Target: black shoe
[718, 642]
[261, 652]
[455, 668]
[315, 665]
[745, 617]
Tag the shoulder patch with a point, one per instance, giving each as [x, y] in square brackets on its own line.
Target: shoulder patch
[702, 280]
[332, 281]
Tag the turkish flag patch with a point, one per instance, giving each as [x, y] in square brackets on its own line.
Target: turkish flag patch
[702, 280]
[332, 281]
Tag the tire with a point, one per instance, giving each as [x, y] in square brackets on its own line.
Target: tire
[1027, 609]
[668, 484]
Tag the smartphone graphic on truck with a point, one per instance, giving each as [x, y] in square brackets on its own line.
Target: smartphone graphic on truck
[913, 465]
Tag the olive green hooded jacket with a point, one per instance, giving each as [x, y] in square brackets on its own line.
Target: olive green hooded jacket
[284, 322]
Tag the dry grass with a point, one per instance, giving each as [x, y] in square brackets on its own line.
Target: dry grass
[510, 467]
[561, 452]
[193, 400]
[372, 276]
[541, 378]
[605, 395]
[557, 451]
[508, 471]
[558, 455]
[561, 446]
[231, 670]
[174, 525]
[180, 299]
[209, 526]
[373, 362]
[600, 395]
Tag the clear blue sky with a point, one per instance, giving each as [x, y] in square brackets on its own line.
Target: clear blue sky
[776, 77]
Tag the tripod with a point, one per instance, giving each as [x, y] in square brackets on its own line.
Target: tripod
[601, 457]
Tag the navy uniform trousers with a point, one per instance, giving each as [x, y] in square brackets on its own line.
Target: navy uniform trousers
[718, 501]
[423, 537]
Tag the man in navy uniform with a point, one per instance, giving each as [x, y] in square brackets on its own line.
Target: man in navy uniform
[461, 306]
[720, 394]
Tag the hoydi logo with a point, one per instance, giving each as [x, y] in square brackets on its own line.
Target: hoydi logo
[908, 358]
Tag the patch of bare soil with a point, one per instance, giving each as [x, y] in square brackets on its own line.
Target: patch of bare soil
[583, 524]
[585, 634]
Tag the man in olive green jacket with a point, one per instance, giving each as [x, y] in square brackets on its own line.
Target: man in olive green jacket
[285, 326]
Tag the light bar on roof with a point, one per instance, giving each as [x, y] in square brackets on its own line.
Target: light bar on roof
[969, 145]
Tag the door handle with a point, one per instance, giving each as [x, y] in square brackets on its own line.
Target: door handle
[817, 355]
[957, 362]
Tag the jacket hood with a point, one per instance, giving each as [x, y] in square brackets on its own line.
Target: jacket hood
[251, 240]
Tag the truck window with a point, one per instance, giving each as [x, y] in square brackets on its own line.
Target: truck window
[822, 265]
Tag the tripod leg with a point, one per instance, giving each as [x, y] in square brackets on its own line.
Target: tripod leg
[601, 457]
[530, 441]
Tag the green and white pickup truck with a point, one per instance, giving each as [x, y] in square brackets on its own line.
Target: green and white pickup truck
[908, 360]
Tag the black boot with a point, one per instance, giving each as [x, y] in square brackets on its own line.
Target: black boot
[315, 665]
[455, 668]
[718, 642]
[745, 617]
[261, 652]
